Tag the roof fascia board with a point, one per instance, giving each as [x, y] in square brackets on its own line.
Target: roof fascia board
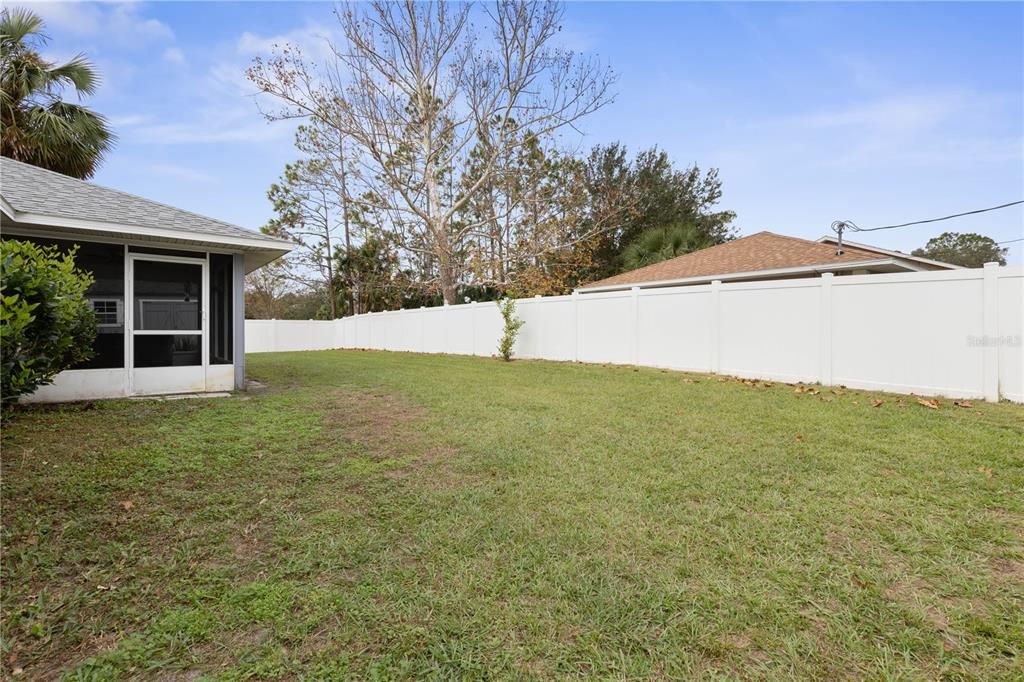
[25, 230]
[7, 208]
[96, 226]
[753, 274]
[254, 258]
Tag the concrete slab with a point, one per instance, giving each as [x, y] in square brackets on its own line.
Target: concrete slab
[183, 396]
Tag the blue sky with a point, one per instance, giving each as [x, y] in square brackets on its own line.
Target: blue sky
[874, 112]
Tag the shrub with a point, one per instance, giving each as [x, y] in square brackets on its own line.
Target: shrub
[46, 323]
[507, 307]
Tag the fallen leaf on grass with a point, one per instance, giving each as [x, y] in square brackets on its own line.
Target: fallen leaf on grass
[826, 398]
[33, 540]
[688, 381]
[127, 505]
[877, 403]
[987, 472]
[800, 389]
[930, 404]
[799, 439]
[963, 403]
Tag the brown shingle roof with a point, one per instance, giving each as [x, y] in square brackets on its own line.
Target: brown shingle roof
[760, 251]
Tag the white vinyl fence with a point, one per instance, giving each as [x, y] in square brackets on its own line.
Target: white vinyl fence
[952, 333]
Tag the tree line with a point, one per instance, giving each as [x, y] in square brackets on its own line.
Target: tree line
[434, 166]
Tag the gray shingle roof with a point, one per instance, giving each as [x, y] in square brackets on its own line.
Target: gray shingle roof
[29, 189]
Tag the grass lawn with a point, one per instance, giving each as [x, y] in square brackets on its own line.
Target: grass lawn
[382, 515]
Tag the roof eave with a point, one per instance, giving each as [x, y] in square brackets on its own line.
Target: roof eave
[895, 254]
[751, 274]
[257, 251]
[268, 244]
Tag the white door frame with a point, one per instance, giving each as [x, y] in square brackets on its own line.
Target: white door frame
[129, 318]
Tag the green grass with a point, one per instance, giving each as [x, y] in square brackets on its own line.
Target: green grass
[379, 515]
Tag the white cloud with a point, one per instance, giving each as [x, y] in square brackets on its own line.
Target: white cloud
[121, 23]
[125, 21]
[215, 125]
[174, 55]
[902, 113]
[73, 17]
[181, 172]
[313, 40]
[953, 130]
[128, 120]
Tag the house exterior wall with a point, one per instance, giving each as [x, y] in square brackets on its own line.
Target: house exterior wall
[123, 381]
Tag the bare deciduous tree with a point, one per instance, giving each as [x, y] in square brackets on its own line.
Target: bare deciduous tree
[415, 88]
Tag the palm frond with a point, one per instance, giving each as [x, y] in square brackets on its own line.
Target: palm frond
[36, 126]
[17, 24]
[79, 72]
[662, 243]
[67, 138]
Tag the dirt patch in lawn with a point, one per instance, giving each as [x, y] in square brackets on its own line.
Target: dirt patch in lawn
[390, 428]
[1011, 570]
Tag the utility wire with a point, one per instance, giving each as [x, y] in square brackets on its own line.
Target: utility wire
[838, 226]
[1011, 241]
[853, 226]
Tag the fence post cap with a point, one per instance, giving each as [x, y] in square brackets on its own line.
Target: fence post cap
[828, 274]
[992, 264]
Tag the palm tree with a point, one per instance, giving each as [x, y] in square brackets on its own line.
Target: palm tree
[36, 126]
[661, 243]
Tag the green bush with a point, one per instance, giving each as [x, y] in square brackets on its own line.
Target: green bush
[46, 323]
[507, 307]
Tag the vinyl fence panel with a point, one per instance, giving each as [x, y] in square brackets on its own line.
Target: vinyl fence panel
[955, 333]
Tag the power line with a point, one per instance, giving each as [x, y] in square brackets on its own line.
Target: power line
[840, 225]
[843, 224]
[1011, 241]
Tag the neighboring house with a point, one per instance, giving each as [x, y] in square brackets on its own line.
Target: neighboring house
[168, 291]
[766, 255]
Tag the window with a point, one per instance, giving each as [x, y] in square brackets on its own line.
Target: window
[109, 312]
